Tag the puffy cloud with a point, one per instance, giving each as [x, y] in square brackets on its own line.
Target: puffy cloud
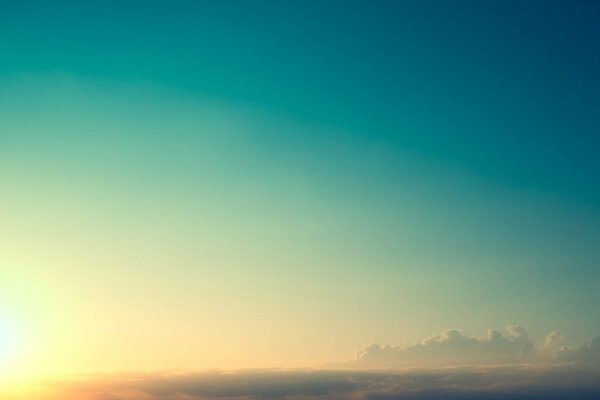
[552, 341]
[552, 348]
[587, 355]
[452, 347]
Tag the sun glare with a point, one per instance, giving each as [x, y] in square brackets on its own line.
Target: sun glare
[8, 340]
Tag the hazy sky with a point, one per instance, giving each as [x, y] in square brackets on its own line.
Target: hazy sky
[260, 184]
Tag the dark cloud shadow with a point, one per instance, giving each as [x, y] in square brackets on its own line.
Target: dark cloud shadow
[526, 382]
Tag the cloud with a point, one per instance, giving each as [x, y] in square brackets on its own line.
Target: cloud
[452, 347]
[487, 383]
[454, 366]
[587, 355]
[552, 341]
[108, 396]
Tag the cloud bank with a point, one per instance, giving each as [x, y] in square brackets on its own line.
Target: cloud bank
[455, 366]
[485, 383]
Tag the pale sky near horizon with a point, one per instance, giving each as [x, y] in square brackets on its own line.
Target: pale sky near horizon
[278, 185]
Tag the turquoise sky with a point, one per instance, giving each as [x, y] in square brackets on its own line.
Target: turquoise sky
[295, 179]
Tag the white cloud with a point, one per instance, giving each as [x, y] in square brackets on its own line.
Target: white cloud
[452, 347]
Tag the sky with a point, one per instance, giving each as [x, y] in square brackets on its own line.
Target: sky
[246, 185]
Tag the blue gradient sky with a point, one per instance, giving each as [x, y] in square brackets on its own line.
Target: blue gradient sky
[288, 181]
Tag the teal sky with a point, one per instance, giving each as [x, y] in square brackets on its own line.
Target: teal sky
[289, 181]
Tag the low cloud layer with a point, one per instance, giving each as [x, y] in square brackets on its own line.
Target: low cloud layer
[486, 383]
[499, 366]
